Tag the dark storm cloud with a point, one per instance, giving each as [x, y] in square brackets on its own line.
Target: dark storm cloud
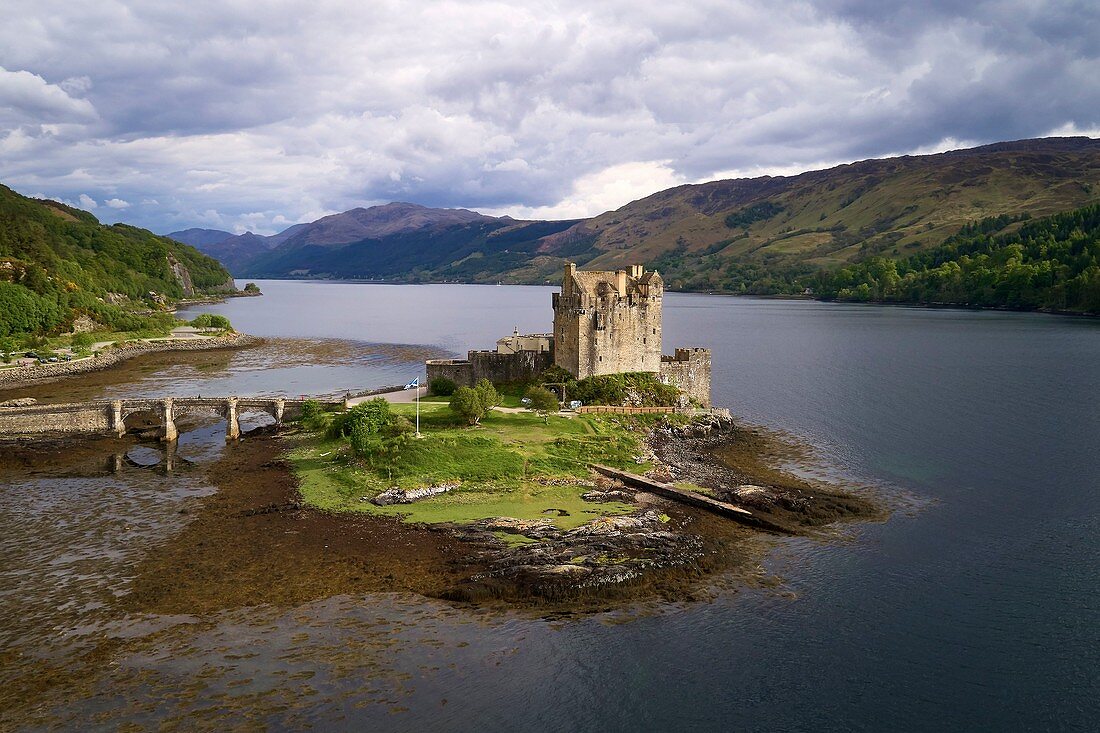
[225, 114]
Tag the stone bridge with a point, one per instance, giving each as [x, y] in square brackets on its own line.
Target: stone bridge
[109, 417]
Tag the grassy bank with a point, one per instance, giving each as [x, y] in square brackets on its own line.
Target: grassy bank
[510, 465]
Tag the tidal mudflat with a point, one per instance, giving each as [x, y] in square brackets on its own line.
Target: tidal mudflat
[968, 609]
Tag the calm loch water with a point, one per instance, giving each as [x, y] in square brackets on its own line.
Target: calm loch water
[975, 607]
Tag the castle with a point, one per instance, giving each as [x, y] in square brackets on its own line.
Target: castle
[604, 323]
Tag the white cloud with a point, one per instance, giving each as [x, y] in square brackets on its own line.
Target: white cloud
[87, 202]
[28, 98]
[234, 118]
[117, 203]
[602, 191]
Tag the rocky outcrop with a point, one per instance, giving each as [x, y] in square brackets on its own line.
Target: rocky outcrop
[589, 559]
[182, 275]
[408, 496]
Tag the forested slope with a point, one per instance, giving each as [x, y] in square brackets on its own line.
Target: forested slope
[1008, 262]
[58, 263]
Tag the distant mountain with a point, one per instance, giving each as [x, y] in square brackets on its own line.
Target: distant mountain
[395, 240]
[758, 235]
[58, 263]
[200, 237]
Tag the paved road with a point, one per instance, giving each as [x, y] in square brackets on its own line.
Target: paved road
[404, 395]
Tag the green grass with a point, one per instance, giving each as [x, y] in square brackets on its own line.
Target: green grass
[498, 465]
[529, 501]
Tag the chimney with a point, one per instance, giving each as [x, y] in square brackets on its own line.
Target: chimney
[636, 271]
[567, 280]
[620, 282]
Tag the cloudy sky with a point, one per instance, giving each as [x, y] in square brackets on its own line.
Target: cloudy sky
[240, 114]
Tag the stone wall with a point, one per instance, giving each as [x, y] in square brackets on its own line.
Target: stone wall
[491, 365]
[93, 417]
[689, 369]
[621, 410]
[13, 377]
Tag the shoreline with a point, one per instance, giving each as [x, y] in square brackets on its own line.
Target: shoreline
[256, 541]
[761, 296]
[295, 552]
[37, 374]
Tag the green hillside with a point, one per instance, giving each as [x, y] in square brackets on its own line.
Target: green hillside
[58, 263]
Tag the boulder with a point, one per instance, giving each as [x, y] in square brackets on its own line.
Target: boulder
[408, 496]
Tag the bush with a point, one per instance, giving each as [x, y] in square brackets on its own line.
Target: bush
[251, 288]
[541, 401]
[466, 403]
[442, 386]
[212, 320]
[313, 415]
[488, 394]
[472, 404]
[82, 340]
[641, 389]
[372, 429]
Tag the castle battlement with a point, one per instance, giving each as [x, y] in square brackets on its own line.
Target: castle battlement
[605, 322]
[689, 369]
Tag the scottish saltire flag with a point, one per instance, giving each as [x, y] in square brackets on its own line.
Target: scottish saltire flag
[413, 384]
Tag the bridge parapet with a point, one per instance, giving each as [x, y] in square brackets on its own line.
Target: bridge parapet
[109, 416]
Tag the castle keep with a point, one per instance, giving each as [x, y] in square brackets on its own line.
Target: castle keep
[604, 323]
[608, 322]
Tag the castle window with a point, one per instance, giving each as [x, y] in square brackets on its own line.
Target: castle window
[643, 340]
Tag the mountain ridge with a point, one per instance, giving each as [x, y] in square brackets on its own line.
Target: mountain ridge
[731, 235]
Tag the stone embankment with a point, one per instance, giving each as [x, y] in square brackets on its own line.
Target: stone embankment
[16, 377]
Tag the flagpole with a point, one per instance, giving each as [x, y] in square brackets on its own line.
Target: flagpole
[418, 407]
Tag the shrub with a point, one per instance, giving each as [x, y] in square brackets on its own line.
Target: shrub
[442, 386]
[638, 388]
[82, 340]
[472, 404]
[372, 429]
[251, 288]
[211, 320]
[541, 401]
[466, 403]
[488, 394]
[313, 415]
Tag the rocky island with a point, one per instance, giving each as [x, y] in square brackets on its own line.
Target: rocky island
[516, 484]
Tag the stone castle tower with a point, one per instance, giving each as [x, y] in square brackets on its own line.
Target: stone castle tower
[608, 322]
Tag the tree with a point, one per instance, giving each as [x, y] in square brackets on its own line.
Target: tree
[488, 395]
[7, 345]
[542, 402]
[212, 320]
[252, 288]
[467, 404]
[82, 340]
[372, 429]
